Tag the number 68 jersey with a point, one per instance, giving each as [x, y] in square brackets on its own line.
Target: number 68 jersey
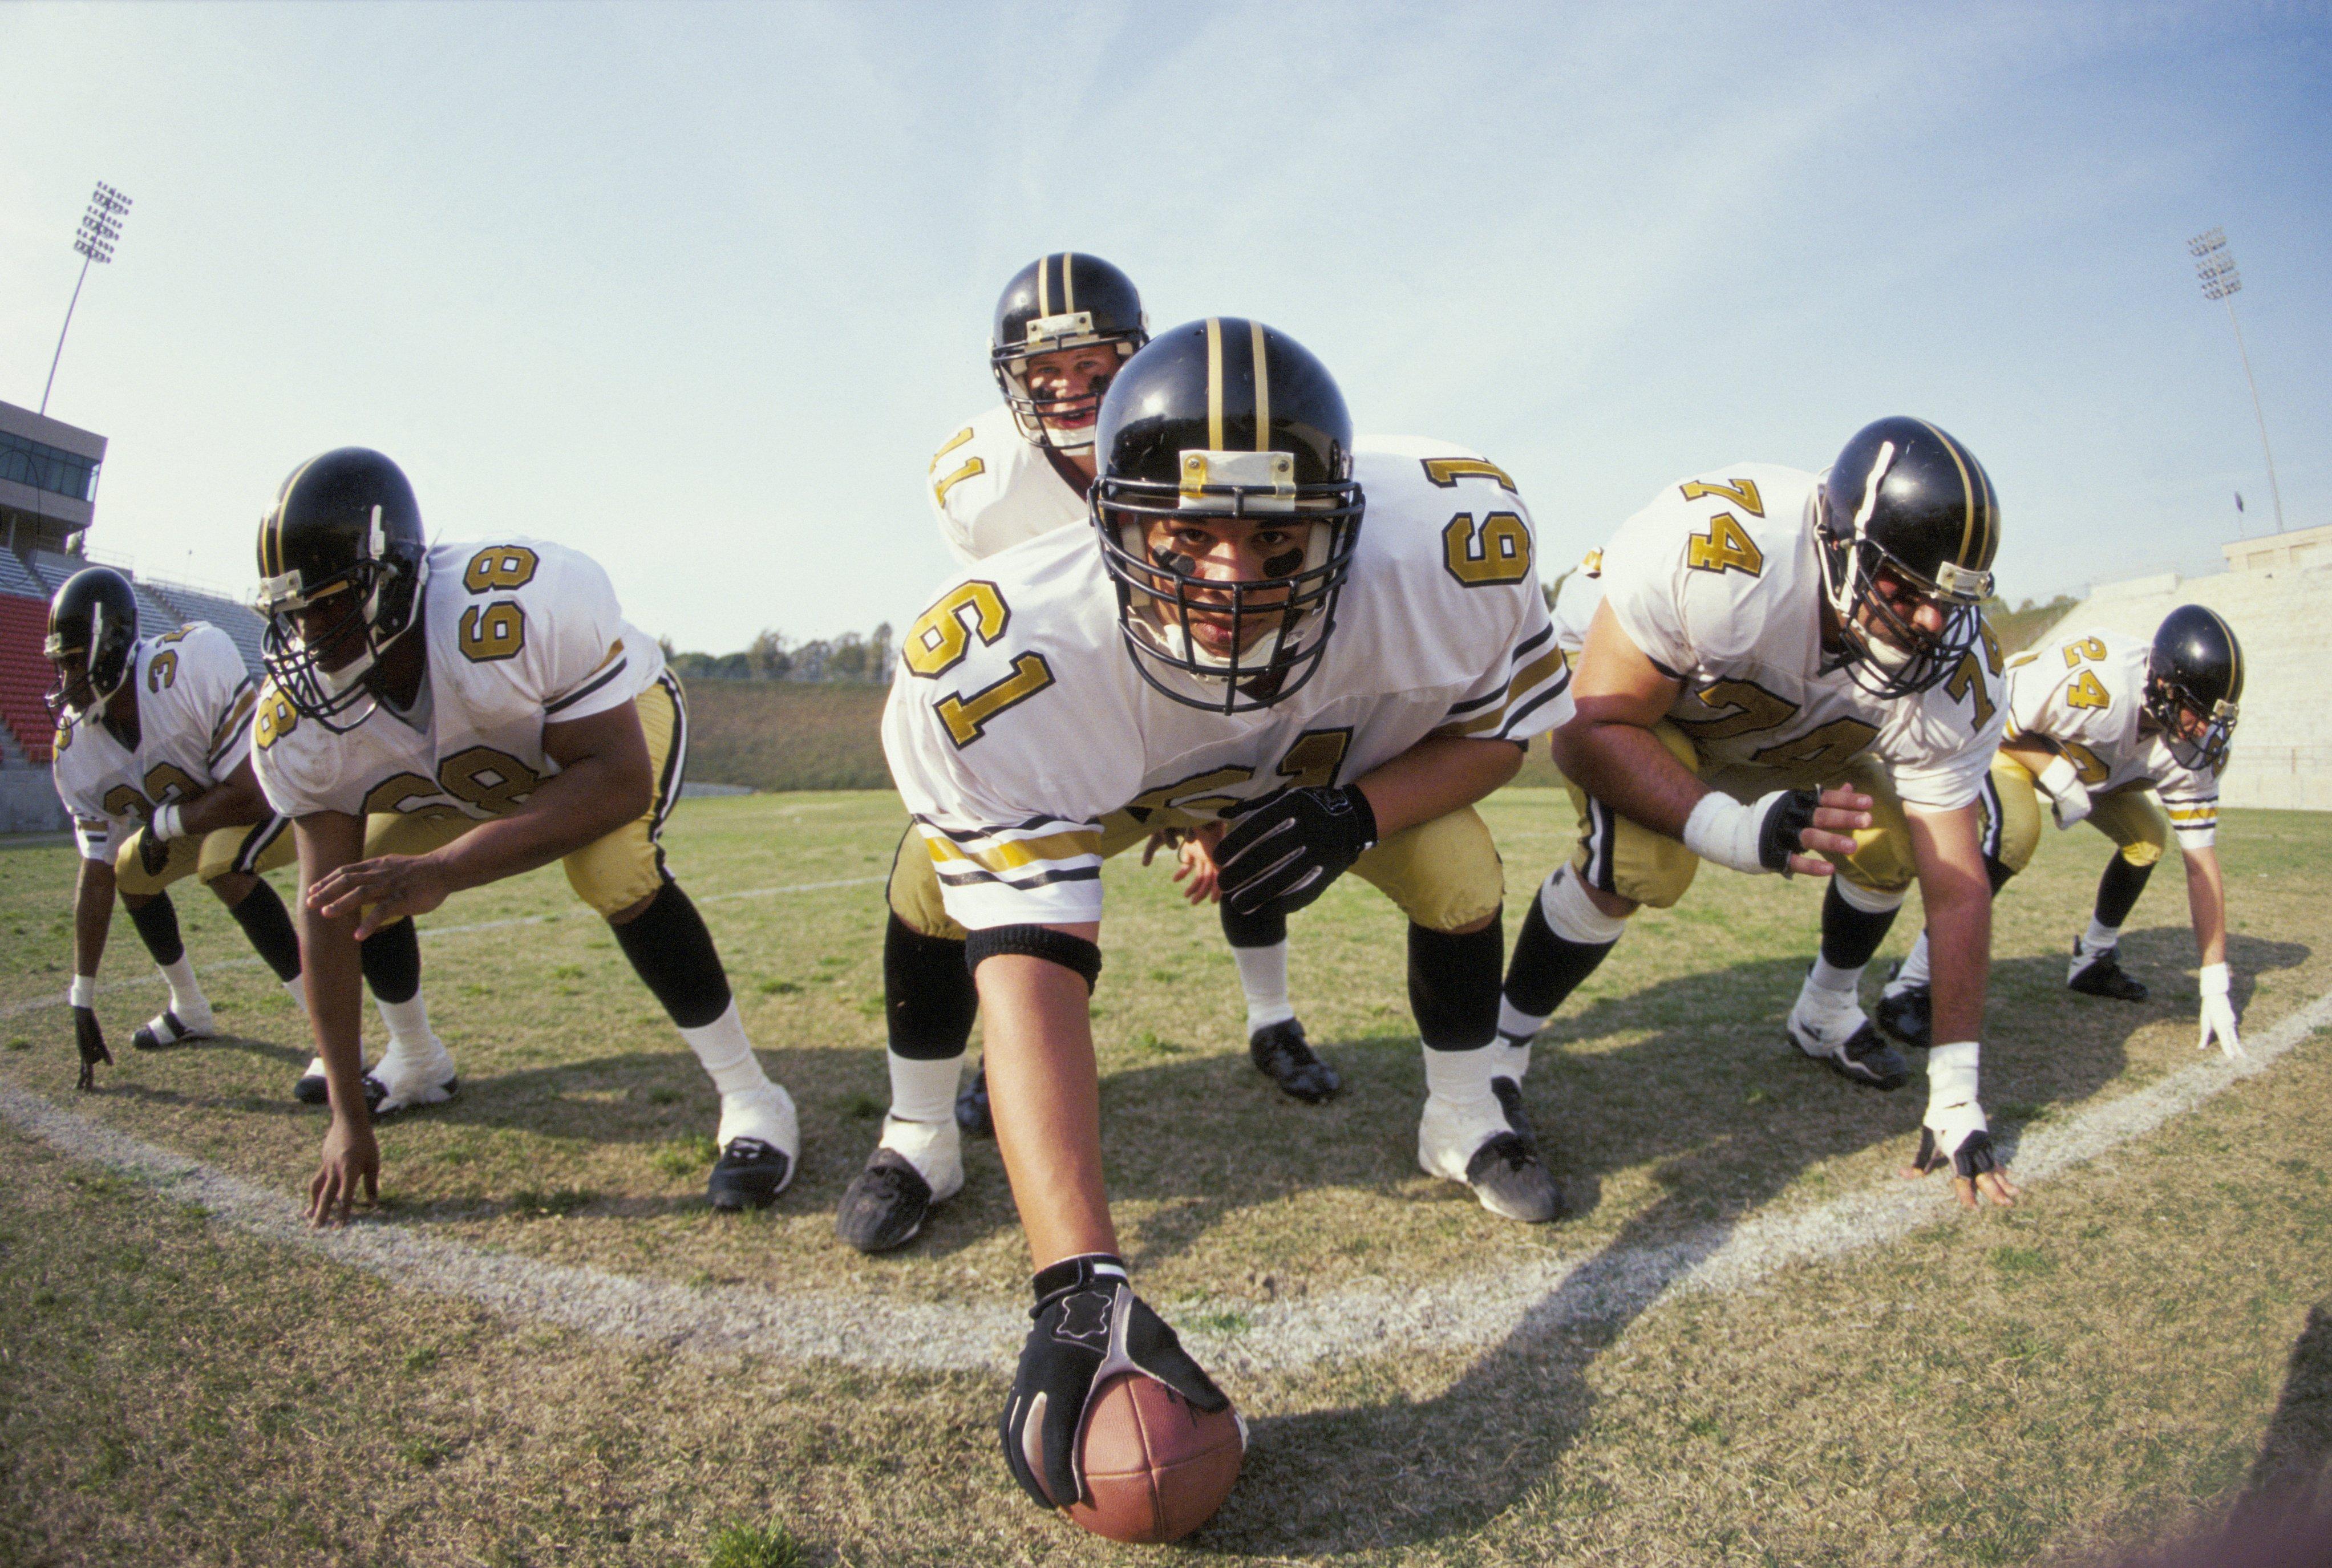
[1017, 719]
[518, 634]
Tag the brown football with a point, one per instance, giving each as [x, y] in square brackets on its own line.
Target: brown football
[1155, 1467]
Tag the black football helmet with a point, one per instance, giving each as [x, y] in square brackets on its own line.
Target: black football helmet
[94, 617]
[1065, 301]
[1906, 500]
[344, 528]
[2196, 666]
[1228, 419]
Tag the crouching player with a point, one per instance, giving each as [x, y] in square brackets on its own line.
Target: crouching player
[490, 708]
[1763, 632]
[2131, 739]
[1227, 642]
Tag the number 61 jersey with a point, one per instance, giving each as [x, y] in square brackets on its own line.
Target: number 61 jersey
[1017, 719]
[517, 634]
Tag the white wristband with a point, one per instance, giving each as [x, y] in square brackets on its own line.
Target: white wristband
[1723, 831]
[2058, 776]
[166, 823]
[1952, 1075]
[2214, 980]
[82, 993]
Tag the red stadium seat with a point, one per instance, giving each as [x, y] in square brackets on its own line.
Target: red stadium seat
[25, 674]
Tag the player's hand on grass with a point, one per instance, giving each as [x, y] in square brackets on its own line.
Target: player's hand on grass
[1954, 1134]
[351, 1158]
[1089, 1326]
[90, 1040]
[390, 888]
[2219, 1014]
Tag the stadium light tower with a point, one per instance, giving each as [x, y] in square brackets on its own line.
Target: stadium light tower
[2214, 265]
[100, 231]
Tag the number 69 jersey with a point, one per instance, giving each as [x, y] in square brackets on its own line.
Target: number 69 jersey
[194, 729]
[2087, 694]
[518, 634]
[1718, 582]
[1017, 720]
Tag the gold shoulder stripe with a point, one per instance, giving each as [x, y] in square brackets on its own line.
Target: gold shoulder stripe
[1214, 383]
[957, 439]
[1262, 390]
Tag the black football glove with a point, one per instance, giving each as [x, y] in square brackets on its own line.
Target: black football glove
[1089, 1327]
[1284, 854]
[1788, 814]
[153, 854]
[92, 1041]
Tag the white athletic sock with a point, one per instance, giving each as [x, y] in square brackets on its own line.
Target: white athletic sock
[1514, 1024]
[1462, 1078]
[1824, 976]
[408, 1021]
[727, 1055]
[2100, 937]
[925, 1091]
[186, 998]
[1512, 1061]
[1913, 975]
[1263, 976]
[296, 987]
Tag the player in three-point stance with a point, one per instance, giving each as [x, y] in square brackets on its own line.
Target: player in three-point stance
[153, 759]
[1064, 326]
[1229, 642]
[2130, 737]
[1763, 632]
[491, 710]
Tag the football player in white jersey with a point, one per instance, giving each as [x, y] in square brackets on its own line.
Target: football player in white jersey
[1764, 634]
[1064, 325]
[152, 758]
[1230, 642]
[490, 711]
[2130, 737]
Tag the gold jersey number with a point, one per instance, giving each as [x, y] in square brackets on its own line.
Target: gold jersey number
[1499, 551]
[941, 638]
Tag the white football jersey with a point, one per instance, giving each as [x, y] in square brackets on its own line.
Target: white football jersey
[2088, 693]
[1017, 719]
[1717, 582]
[519, 632]
[195, 702]
[992, 488]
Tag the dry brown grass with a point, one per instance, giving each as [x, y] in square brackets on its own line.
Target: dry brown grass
[787, 735]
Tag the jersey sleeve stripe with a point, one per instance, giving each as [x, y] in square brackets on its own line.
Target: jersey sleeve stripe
[980, 835]
[971, 876]
[1011, 854]
[608, 672]
[1534, 685]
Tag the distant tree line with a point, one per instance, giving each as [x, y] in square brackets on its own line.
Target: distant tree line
[774, 656]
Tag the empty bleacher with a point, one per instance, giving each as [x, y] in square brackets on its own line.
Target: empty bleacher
[16, 578]
[25, 674]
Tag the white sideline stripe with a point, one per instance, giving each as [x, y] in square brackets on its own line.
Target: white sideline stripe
[19, 1009]
[1528, 1302]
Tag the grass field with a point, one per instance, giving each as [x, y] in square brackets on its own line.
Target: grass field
[183, 1378]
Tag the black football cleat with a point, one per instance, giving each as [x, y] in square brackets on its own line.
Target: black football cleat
[1510, 1104]
[1282, 1054]
[159, 1034]
[750, 1174]
[1910, 1016]
[1863, 1057]
[2100, 974]
[971, 1105]
[380, 1105]
[1509, 1180]
[885, 1204]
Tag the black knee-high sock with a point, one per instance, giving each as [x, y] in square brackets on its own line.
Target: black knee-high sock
[268, 924]
[1266, 929]
[392, 962]
[1453, 985]
[929, 1000]
[1850, 935]
[1547, 968]
[674, 955]
[156, 921]
[2117, 890]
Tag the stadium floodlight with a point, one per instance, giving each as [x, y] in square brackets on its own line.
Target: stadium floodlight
[99, 232]
[2215, 266]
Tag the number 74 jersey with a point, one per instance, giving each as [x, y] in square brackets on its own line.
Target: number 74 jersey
[518, 633]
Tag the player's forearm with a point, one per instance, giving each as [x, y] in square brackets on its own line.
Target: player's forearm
[1436, 777]
[234, 802]
[1624, 765]
[1957, 896]
[331, 971]
[92, 914]
[2206, 900]
[1046, 1096]
[580, 805]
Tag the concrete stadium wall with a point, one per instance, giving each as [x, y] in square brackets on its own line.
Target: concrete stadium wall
[29, 803]
[2278, 600]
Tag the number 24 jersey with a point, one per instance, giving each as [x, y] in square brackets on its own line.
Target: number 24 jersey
[518, 634]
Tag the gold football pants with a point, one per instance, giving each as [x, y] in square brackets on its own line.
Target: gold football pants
[610, 873]
[1444, 874]
[244, 851]
[1624, 857]
[2131, 816]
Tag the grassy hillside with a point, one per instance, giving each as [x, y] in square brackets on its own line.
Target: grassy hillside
[787, 735]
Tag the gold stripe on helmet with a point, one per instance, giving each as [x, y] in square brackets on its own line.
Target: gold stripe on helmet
[1262, 390]
[2234, 655]
[1068, 283]
[1967, 489]
[273, 533]
[1044, 286]
[1214, 384]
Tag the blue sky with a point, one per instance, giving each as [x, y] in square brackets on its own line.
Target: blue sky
[699, 288]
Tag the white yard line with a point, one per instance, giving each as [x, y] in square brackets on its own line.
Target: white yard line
[1530, 1300]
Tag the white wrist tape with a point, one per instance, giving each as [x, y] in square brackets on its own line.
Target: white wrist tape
[2214, 979]
[1952, 1075]
[82, 993]
[2058, 776]
[1723, 831]
[168, 823]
